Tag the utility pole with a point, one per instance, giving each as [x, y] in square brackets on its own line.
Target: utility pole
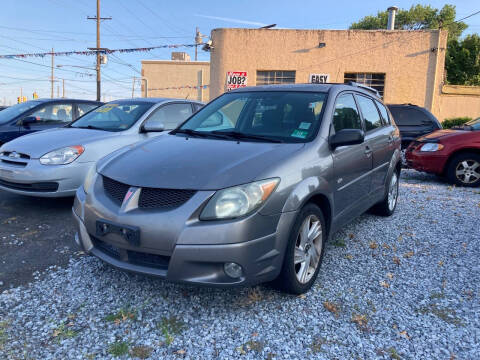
[63, 88]
[98, 49]
[133, 87]
[52, 79]
[58, 91]
[198, 41]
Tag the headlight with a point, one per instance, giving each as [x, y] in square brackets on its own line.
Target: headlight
[238, 200]
[62, 156]
[431, 147]
[87, 183]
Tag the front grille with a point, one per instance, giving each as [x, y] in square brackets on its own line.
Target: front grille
[35, 187]
[151, 198]
[116, 190]
[21, 156]
[14, 163]
[133, 257]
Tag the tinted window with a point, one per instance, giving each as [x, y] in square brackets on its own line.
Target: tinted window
[15, 110]
[54, 113]
[114, 116]
[171, 115]
[370, 113]
[383, 112]
[84, 108]
[346, 114]
[281, 115]
[407, 116]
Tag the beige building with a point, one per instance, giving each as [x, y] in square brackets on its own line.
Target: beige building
[180, 78]
[404, 66]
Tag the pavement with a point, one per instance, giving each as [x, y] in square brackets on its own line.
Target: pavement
[35, 234]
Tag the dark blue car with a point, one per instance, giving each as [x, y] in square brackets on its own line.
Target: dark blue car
[42, 114]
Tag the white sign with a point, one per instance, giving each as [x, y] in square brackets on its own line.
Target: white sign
[319, 78]
[236, 79]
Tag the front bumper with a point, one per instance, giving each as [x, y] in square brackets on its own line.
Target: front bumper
[35, 179]
[199, 250]
[426, 161]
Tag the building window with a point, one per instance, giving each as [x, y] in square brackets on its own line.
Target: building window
[275, 77]
[374, 80]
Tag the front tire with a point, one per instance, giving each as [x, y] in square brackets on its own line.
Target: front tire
[304, 252]
[464, 170]
[388, 205]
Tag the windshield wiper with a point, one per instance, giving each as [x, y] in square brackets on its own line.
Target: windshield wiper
[242, 136]
[201, 134]
[88, 127]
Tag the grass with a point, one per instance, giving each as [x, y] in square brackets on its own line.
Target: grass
[171, 326]
[445, 314]
[118, 348]
[393, 354]
[3, 333]
[339, 243]
[122, 315]
[63, 331]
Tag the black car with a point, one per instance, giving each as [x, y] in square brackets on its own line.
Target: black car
[42, 114]
[413, 121]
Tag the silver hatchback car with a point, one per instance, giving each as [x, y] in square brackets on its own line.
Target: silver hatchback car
[247, 190]
[53, 163]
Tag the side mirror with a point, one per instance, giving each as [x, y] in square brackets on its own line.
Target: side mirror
[346, 137]
[153, 127]
[26, 121]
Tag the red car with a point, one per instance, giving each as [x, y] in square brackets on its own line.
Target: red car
[454, 153]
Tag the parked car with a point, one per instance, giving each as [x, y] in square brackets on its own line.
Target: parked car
[413, 121]
[250, 203]
[454, 153]
[3, 107]
[54, 162]
[42, 114]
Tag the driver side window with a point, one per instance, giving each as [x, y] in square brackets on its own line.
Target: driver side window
[346, 114]
[54, 113]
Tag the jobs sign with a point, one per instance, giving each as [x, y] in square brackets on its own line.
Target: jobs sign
[319, 78]
[236, 79]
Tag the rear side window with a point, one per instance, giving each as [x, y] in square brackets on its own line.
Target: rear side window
[346, 114]
[408, 116]
[84, 108]
[383, 112]
[370, 113]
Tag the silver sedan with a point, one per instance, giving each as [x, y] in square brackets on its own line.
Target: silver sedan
[53, 163]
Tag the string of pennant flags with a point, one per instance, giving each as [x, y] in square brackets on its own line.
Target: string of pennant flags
[180, 87]
[94, 52]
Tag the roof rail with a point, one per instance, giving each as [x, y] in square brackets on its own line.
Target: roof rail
[368, 88]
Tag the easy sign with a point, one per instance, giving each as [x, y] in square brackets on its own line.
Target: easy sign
[319, 78]
[236, 79]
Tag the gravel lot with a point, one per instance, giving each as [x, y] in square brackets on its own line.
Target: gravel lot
[405, 287]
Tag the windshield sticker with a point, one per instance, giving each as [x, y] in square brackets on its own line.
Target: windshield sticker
[106, 108]
[304, 125]
[302, 134]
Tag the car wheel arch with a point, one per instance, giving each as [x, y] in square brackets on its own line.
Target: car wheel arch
[456, 153]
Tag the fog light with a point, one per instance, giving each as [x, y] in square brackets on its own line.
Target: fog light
[233, 270]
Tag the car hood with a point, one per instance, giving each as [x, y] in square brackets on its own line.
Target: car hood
[441, 134]
[176, 162]
[39, 143]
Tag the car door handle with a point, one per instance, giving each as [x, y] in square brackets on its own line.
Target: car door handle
[368, 151]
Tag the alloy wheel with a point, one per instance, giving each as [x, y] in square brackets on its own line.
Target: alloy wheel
[393, 192]
[468, 171]
[308, 249]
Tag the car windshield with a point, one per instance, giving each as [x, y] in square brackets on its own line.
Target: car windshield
[474, 124]
[15, 110]
[265, 116]
[113, 116]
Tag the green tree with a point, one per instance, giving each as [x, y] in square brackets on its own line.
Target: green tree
[418, 17]
[462, 61]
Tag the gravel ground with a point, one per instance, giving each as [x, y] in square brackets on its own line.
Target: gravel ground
[405, 287]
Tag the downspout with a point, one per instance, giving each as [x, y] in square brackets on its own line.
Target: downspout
[434, 85]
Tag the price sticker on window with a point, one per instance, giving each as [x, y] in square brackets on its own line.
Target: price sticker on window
[236, 79]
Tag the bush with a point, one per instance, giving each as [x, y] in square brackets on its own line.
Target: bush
[457, 121]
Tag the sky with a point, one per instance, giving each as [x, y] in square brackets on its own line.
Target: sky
[31, 26]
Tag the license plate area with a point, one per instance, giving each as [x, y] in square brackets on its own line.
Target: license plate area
[130, 234]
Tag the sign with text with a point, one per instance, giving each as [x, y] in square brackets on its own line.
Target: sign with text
[319, 78]
[236, 79]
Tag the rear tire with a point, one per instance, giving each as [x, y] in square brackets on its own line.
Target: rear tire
[464, 170]
[304, 252]
[388, 205]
